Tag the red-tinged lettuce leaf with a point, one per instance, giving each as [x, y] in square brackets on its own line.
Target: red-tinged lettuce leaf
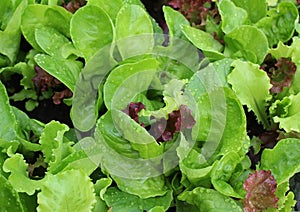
[133, 109]
[178, 120]
[260, 187]
[281, 74]
[196, 11]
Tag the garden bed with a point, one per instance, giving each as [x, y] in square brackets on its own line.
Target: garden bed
[131, 105]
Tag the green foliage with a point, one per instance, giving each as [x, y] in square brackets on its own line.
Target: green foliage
[65, 191]
[244, 80]
[110, 54]
[201, 197]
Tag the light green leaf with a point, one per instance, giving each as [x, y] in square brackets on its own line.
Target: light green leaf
[121, 201]
[101, 186]
[51, 138]
[144, 188]
[134, 31]
[110, 7]
[10, 38]
[129, 172]
[192, 164]
[296, 59]
[138, 136]
[52, 41]
[71, 190]
[285, 197]
[282, 160]
[280, 24]
[53, 146]
[9, 198]
[247, 42]
[19, 176]
[65, 70]
[203, 41]
[251, 85]
[91, 29]
[8, 121]
[7, 11]
[85, 108]
[85, 157]
[174, 20]
[222, 172]
[232, 16]
[220, 114]
[38, 15]
[281, 51]
[124, 82]
[256, 9]
[209, 200]
[223, 69]
[9, 45]
[289, 118]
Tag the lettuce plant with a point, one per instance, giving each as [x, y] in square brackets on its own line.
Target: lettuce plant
[159, 123]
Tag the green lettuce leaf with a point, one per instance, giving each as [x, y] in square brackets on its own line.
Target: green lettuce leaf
[286, 198]
[251, 85]
[279, 25]
[87, 36]
[204, 41]
[281, 51]
[19, 178]
[287, 113]
[138, 136]
[232, 16]
[53, 145]
[134, 31]
[215, 137]
[209, 200]
[247, 42]
[110, 7]
[295, 87]
[70, 190]
[102, 185]
[85, 108]
[282, 160]
[11, 36]
[174, 20]
[38, 15]
[9, 198]
[65, 70]
[222, 172]
[121, 201]
[256, 9]
[7, 11]
[53, 42]
[120, 159]
[123, 83]
[8, 122]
